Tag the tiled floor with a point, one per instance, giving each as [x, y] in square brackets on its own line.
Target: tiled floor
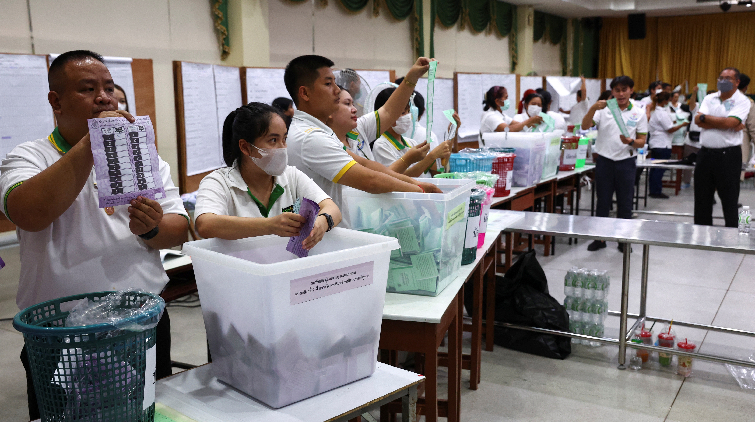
[687, 285]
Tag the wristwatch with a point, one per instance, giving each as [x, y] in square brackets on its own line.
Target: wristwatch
[631, 144]
[702, 118]
[329, 219]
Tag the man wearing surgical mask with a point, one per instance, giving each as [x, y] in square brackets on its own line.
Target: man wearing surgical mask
[719, 161]
[390, 148]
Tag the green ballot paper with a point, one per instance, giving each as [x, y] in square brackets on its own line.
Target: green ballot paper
[702, 90]
[613, 107]
[548, 124]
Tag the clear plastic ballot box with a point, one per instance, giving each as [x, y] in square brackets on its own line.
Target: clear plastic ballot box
[429, 227]
[281, 328]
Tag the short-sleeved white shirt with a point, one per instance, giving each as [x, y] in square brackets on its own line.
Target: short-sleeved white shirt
[84, 250]
[314, 149]
[578, 112]
[491, 119]
[737, 106]
[420, 135]
[693, 127]
[367, 130]
[608, 142]
[388, 150]
[645, 101]
[658, 126]
[224, 192]
[559, 121]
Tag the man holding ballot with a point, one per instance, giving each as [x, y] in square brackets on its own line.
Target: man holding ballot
[68, 244]
[622, 129]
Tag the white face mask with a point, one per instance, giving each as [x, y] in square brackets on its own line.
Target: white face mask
[658, 91]
[121, 106]
[403, 124]
[273, 161]
[534, 110]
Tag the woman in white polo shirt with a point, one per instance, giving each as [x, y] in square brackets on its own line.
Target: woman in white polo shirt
[661, 129]
[531, 109]
[255, 194]
[493, 119]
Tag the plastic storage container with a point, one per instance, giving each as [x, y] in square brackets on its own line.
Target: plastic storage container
[473, 226]
[282, 329]
[530, 154]
[429, 227]
[503, 166]
[480, 177]
[569, 150]
[552, 153]
[470, 161]
[93, 372]
[485, 213]
[584, 144]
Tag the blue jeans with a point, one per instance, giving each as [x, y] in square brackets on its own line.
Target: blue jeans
[656, 175]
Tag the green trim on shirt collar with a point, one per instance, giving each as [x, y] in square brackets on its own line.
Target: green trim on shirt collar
[629, 107]
[398, 144]
[377, 119]
[58, 142]
[353, 135]
[277, 192]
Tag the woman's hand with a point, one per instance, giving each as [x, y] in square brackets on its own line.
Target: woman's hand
[318, 230]
[286, 224]
[416, 153]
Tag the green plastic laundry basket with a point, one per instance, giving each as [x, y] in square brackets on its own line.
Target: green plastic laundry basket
[95, 372]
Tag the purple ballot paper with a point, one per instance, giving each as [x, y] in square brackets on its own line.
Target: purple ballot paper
[125, 160]
[309, 210]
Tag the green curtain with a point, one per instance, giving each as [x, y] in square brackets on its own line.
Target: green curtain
[503, 17]
[586, 47]
[478, 12]
[354, 5]
[400, 9]
[419, 32]
[220, 17]
[556, 28]
[538, 26]
[447, 11]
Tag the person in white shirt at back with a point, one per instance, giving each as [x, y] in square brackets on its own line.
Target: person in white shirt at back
[578, 111]
[719, 161]
[493, 117]
[560, 122]
[661, 129]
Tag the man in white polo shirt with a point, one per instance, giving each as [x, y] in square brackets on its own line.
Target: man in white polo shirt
[68, 244]
[719, 161]
[617, 162]
[313, 147]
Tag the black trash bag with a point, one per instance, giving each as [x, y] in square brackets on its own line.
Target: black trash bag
[522, 298]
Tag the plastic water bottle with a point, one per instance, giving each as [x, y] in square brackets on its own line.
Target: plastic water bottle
[640, 155]
[744, 220]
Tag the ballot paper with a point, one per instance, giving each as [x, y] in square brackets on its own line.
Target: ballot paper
[126, 164]
[565, 91]
[702, 90]
[548, 124]
[309, 210]
[450, 116]
[613, 107]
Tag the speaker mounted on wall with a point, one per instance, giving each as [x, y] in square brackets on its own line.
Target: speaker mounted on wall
[636, 26]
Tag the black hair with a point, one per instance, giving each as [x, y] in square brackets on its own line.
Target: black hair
[661, 97]
[493, 94]
[57, 65]
[118, 87]
[744, 81]
[665, 85]
[737, 73]
[622, 80]
[282, 104]
[383, 96]
[605, 95]
[579, 94]
[399, 80]
[653, 85]
[419, 101]
[247, 122]
[303, 71]
[547, 98]
[531, 97]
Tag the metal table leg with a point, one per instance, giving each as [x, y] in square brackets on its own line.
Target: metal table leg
[644, 285]
[624, 306]
[409, 405]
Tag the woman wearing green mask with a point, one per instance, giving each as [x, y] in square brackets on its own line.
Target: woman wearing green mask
[493, 119]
